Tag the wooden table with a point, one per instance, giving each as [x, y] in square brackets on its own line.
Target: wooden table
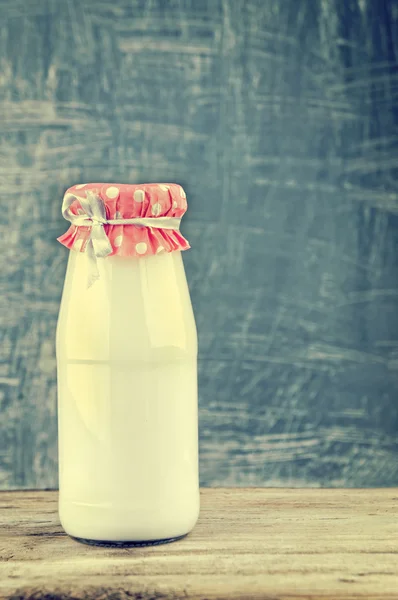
[249, 543]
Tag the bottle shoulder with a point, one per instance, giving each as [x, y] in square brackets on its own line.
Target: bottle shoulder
[139, 308]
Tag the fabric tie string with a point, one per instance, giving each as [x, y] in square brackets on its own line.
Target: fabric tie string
[94, 216]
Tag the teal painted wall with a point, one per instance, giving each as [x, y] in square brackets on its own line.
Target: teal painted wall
[280, 118]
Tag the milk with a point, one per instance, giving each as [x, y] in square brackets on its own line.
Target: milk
[127, 381]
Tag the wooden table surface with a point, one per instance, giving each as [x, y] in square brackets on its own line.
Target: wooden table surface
[249, 543]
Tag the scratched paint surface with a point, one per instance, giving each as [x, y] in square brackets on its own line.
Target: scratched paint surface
[280, 118]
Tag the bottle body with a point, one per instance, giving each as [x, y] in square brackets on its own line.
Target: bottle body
[127, 401]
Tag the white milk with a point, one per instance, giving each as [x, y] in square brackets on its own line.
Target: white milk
[127, 381]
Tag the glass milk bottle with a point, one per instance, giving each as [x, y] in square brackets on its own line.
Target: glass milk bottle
[127, 368]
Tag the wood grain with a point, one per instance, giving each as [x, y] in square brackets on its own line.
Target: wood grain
[279, 544]
[280, 119]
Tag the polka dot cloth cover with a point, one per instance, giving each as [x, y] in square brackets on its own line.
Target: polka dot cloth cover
[124, 201]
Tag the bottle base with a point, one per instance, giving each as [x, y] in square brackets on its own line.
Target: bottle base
[132, 544]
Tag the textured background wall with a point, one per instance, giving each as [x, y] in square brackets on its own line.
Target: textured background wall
[280, 118]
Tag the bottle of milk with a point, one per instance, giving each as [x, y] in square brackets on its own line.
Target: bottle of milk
[127, 368]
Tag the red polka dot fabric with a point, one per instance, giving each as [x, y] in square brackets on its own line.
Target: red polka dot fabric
[125, 201]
